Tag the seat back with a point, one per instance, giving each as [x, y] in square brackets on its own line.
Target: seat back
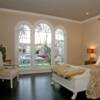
[1, 61]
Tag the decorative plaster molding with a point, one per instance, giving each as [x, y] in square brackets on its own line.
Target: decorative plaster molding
[90, 19]
[38, 14]
[49, 16]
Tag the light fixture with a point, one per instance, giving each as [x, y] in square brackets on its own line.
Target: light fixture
[91, 53]
[90, 50]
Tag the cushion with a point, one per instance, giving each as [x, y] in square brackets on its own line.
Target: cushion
[8, 72]
[69, 71]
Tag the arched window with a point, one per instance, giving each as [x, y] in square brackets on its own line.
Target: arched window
[42, 47]
[23, 32]
[43, 44]
[59, 46]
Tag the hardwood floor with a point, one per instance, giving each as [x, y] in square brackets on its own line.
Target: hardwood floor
[35, 87]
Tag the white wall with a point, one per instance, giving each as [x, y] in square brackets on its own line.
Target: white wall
[73, 36]
[91, 36]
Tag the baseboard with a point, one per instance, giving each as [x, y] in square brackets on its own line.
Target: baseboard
[34, 70]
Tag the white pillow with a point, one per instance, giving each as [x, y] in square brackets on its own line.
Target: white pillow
[98, 61]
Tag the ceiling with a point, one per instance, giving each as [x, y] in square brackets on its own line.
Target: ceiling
[70, 9]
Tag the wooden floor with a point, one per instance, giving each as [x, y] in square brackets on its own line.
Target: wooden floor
[35, 87]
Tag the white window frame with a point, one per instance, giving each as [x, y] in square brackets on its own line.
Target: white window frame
[16, 38]
[52, 38]
[32, 27]
[65, 41]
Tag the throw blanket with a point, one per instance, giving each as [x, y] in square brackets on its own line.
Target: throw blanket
[67, 71]
[93, 90]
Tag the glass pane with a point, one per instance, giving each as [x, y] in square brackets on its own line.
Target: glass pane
[24, 34]
[24, 46]
[59, 46]
[24, 56]
[42, 45]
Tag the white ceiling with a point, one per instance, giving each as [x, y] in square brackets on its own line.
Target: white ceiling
[71, 9]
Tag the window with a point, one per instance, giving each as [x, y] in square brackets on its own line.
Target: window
[24, 45]
[59, 46]
[42, 47]
[24, 34]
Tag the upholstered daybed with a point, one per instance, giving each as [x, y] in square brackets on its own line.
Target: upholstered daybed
[76, 81]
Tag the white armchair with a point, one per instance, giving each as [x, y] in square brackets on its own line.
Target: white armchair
[8, 72]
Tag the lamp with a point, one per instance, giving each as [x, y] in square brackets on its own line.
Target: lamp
[90, 50]
[91, 53]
